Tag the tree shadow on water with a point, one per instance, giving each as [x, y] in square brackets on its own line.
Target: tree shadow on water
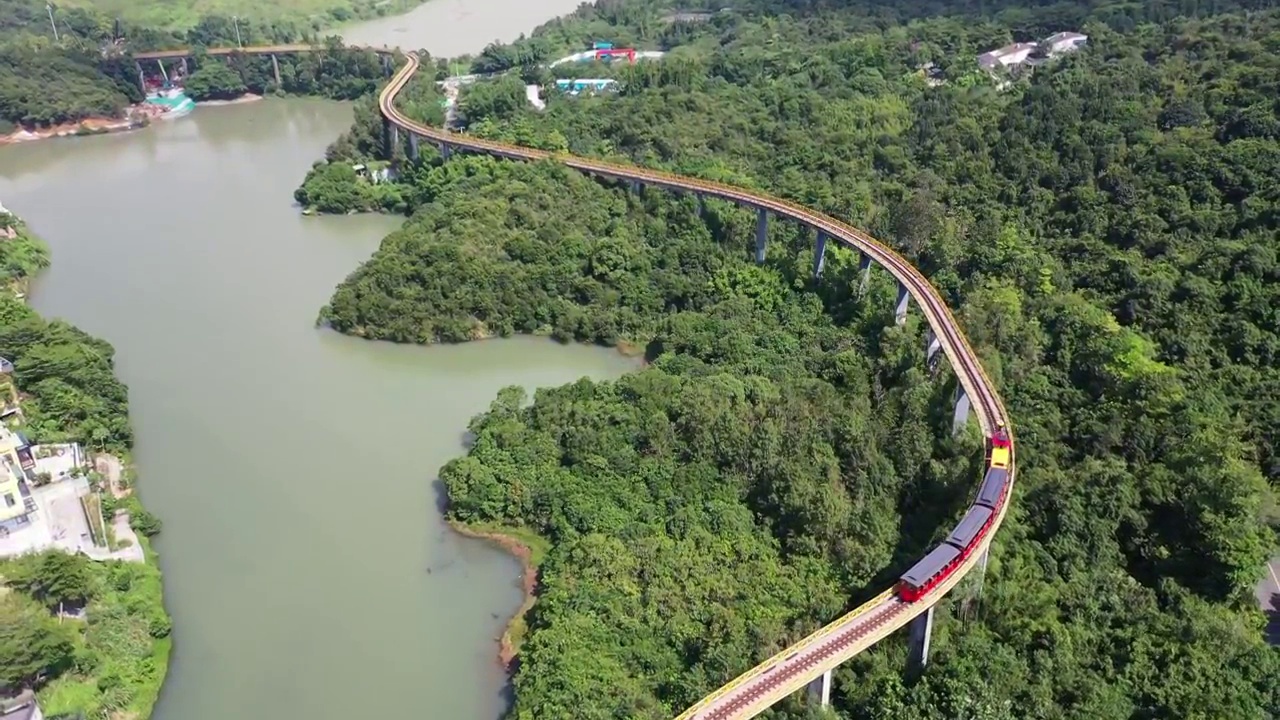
[441, 496]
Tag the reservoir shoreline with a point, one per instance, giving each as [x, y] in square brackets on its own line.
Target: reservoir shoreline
[326, 443]
[137, 607]
[520, 544]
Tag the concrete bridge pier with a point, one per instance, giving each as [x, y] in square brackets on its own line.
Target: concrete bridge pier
[920, 631]
[275, 67]
[820, 690]
[393, 138]
[762, 234]
[962, 409]
[819, 254]
[636, 186]
[387, 63]
[864, 265]
[185, 70]
[900, 308]
[413, 147]
[142, 78]
[702, 206]
[931, 347]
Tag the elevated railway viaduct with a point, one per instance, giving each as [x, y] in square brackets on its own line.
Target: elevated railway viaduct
[810, 661]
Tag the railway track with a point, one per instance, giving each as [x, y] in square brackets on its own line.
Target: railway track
[793, 668]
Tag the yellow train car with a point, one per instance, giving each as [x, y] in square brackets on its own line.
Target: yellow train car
[1000, 457]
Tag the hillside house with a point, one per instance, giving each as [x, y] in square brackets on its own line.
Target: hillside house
[1020, 54]
[1007, 56]
[1063, 42]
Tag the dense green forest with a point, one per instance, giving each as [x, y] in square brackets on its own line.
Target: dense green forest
[335, 72]
[91, 637]
[333, 186]
[66, 377]
[1106, 228]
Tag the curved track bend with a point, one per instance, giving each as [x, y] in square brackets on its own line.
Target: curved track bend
[792, 669]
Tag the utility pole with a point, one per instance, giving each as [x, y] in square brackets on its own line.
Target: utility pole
[236, 20]
[54, 25]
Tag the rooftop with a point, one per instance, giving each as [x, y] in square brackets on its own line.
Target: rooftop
[1059, 37]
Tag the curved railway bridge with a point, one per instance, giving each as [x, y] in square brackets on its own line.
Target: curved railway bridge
[810, 661]
[812, 658]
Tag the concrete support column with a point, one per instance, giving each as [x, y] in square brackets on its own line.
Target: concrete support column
[864, 264]
[142, 78]
[185, 71]
[393, 138]
[636, 186]
[820, 690]
[920, 631]
[275, 67]
[900, 308]
[962, 409]
[702, 205]
[445, 151]
[819, 254]
[931, 347]
[762, 234]
[413, 147]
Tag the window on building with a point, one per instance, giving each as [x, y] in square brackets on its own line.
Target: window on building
[8, 500]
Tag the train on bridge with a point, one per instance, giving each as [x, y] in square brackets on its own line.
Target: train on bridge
[945, 559]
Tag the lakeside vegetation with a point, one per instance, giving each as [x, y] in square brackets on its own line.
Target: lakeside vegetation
[333, 186]
[92, 638]
[108, 658]
[21, 256]
[1106, 228]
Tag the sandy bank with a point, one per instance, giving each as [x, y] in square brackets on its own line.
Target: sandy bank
[246, 98]
[509, 644]
[88, 126]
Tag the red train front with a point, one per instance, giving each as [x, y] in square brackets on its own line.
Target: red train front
[943, 560]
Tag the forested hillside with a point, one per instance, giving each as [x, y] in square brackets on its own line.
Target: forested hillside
[1106, 228]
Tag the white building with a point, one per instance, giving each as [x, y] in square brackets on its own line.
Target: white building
[1031, 53]
[1063, 42]
[1007, 56]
